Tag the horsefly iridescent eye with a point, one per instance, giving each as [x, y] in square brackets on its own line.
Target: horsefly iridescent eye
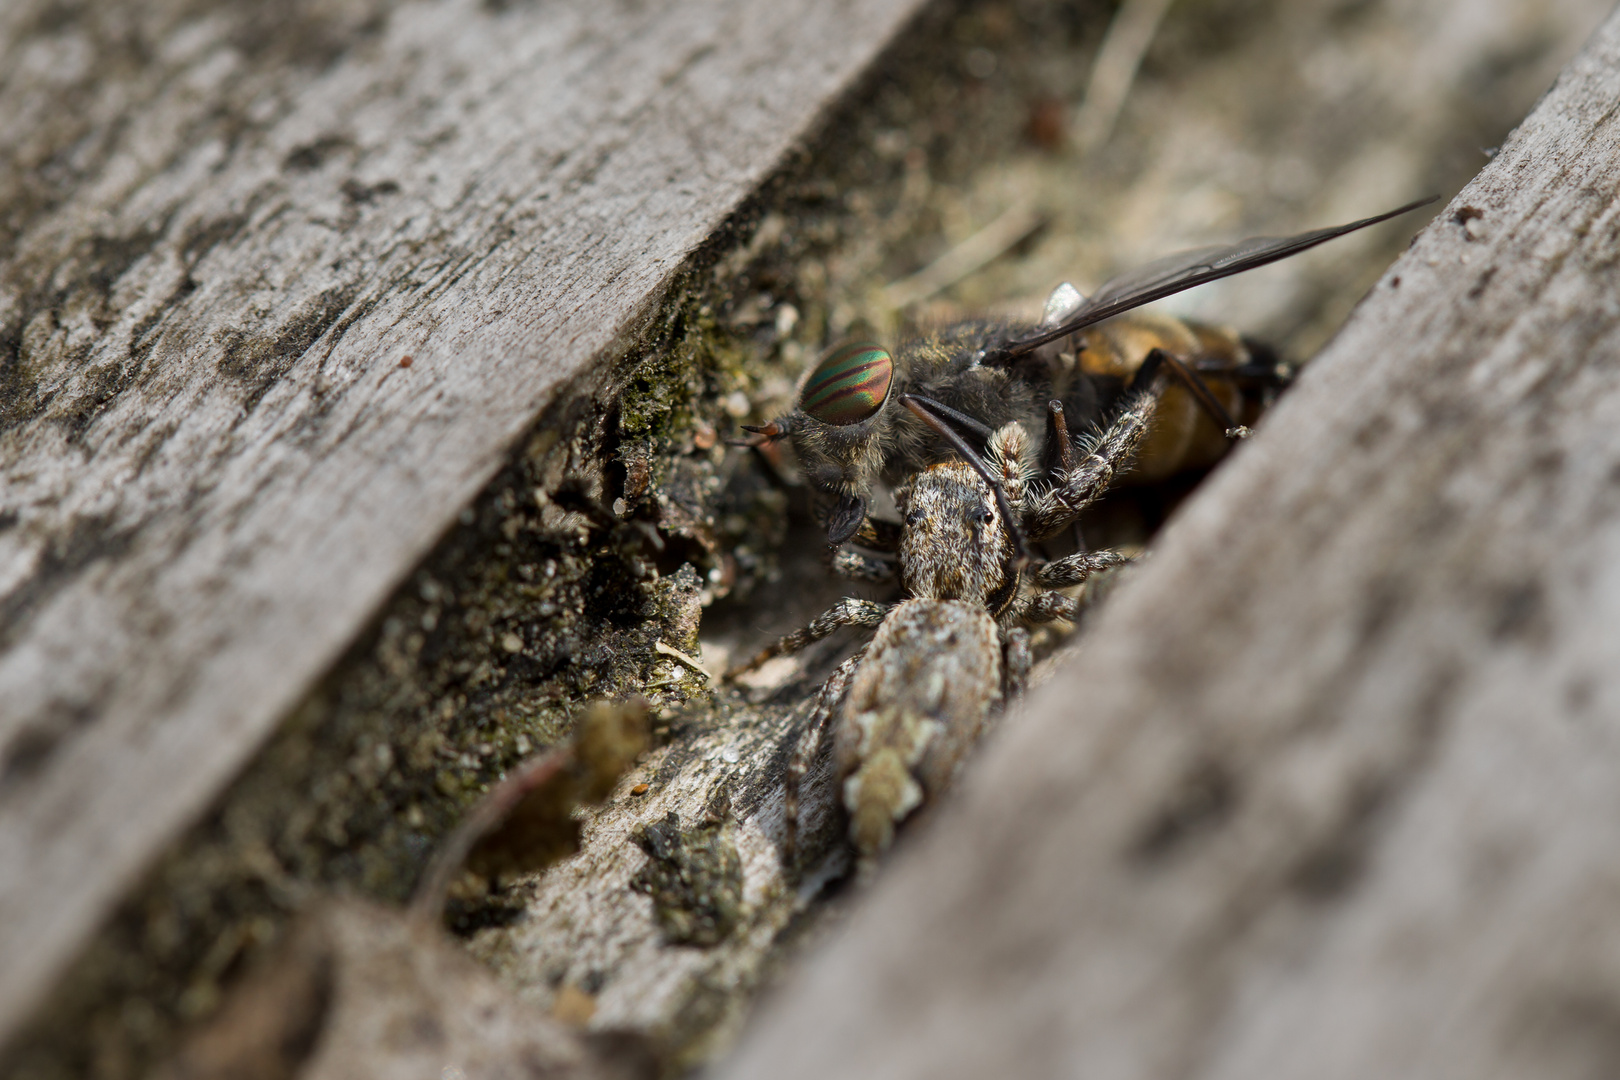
[850, 385]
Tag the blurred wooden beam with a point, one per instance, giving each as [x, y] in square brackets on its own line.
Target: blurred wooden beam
[1334, 789]
[278, 287]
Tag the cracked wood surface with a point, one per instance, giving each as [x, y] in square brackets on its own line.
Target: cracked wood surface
[1334, 789]
[226, 229]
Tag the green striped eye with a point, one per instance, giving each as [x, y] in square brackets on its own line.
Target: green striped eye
[850, 385]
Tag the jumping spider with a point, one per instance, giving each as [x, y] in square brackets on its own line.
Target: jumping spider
[908, 707]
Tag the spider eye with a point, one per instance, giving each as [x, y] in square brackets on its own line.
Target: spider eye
[850, 385]
[915, 517]
[983, 515]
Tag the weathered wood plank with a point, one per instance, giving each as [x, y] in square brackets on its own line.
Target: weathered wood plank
[223, 231]
[1341, 795]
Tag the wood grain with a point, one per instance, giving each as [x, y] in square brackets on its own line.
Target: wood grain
[224, 229]
[1333, 790]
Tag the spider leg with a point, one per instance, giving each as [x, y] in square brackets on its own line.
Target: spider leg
[1075, 569]
[857, 567]
[847, 612]
[1015, 663]
[822, 712]
[1080, 486]
[1046, 606]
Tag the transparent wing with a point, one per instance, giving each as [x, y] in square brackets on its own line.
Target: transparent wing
[1175, 273]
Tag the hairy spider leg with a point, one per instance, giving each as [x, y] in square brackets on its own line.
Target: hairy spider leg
[1075, 569]
[1015, 663]
[1046, 605]
[847, 612]
[1079, 487]
[858, 567]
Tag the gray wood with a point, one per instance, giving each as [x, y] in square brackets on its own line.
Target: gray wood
[223, 231]
[1333, 789]
[360, 975]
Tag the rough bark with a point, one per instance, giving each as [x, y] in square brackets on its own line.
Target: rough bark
[226, 231]
[1306, 113]
[1332, 790]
